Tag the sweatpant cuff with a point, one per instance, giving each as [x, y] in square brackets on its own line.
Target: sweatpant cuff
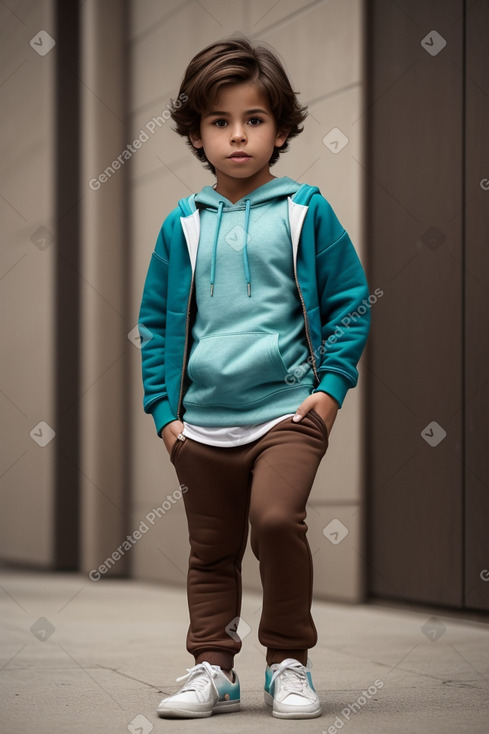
[216, 657]
[276, 656]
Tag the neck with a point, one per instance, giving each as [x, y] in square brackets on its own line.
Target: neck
[235, 189]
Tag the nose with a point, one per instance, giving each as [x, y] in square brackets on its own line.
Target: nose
[238, 133]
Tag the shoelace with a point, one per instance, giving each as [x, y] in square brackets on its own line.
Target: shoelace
[196, 680]
[294, 676]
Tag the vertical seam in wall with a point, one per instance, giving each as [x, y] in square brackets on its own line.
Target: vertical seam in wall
[362, 502]
[127, 448]
[367, 153]
[463, 294]
[247, 17]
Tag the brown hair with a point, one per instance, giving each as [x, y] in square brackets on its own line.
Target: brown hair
[233, 61]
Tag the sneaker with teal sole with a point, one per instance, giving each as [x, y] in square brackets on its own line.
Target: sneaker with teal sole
[207, 691]
[290, 692]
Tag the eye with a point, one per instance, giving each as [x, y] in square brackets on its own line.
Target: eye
[217, 122]
[255, 121]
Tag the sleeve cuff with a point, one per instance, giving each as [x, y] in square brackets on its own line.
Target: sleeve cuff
[162, 414]
[335, 385]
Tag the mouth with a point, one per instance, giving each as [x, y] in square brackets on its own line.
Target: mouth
[239, 156]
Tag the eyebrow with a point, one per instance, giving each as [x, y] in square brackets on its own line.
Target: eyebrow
[248, 112]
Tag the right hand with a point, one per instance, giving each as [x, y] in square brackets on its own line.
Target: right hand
[170, 432]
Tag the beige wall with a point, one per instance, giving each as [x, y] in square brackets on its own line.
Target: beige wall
[321, 45]
[27, 263]
[124, 469]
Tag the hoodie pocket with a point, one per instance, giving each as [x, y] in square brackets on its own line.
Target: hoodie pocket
[236, 368]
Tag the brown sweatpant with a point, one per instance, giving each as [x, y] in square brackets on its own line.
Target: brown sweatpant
[264, 484]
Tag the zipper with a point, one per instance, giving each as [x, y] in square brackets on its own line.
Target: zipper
[304, 313]
[306, 324]
[185, 347]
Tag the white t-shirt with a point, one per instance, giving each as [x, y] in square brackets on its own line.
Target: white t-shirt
[230, 436]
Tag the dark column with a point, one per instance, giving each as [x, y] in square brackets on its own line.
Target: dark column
[477, 308]
[67, 312]
[416, 211]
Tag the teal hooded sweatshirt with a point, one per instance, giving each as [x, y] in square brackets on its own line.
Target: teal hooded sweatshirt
[248, 339]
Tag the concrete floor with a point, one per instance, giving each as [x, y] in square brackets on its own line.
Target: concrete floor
[96, 657]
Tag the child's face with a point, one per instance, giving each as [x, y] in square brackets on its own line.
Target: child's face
[239, 121]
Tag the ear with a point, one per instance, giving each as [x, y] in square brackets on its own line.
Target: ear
[281, 138]
[196, 141]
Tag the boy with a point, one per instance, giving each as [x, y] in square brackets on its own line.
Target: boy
[251, 338]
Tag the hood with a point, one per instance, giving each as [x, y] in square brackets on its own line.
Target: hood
[283, 186]
[211, 200]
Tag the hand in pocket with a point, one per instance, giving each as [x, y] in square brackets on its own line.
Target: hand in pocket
[170, 432]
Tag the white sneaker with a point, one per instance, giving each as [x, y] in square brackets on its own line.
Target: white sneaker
[289, 690]
[207, 690]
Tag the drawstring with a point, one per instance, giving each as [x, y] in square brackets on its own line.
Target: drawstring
[214, 247]
[245, 246]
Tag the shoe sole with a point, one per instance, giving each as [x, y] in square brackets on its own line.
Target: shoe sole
[222, 707]
[290, 714]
